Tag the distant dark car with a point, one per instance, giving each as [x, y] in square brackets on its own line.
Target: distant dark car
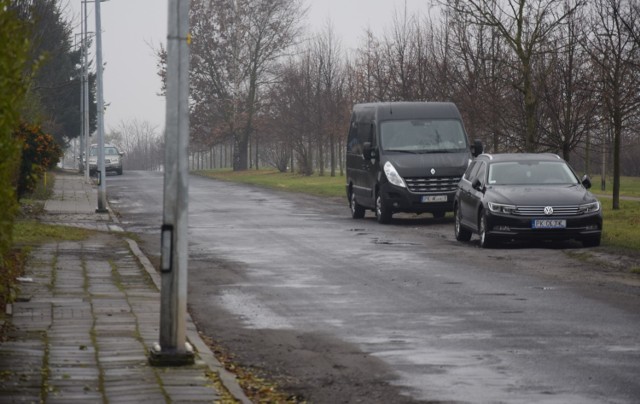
[504, 197]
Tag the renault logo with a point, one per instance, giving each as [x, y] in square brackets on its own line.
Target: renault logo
[548, 210]
[433, 171]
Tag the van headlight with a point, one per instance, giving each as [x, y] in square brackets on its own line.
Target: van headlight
[393, 176]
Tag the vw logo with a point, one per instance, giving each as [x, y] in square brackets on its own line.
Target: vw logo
[433, 171]
[548, 210]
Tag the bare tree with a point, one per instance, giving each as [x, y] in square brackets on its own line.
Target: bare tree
[236, 43]
[525, 25]
[569, 108]
[479, 71]
[141, 142]
[614, 54]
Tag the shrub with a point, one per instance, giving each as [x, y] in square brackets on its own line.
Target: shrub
[40, 153]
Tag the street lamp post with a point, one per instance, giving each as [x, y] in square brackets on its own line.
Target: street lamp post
[85, 91]
[173, 349]
[102, 175]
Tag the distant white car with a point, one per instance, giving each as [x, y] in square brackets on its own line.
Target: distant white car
[112, 159]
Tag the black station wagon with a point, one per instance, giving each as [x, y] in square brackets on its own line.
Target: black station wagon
[504, 197]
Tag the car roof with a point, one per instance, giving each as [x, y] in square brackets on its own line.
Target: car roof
[511, 157]
[95, 145]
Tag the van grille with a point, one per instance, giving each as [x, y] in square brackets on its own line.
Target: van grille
[423, 185]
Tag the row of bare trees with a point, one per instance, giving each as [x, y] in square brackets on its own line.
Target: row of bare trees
[141, 143]
[528, 75]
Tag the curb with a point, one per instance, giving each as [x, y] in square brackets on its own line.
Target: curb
[227, 378]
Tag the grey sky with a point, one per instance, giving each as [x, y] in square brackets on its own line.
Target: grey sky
[131, 28]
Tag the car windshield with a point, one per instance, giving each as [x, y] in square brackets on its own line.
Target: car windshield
[108, 151]
[423, 136]
[531, 173]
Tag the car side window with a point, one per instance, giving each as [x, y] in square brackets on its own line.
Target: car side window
[467, 174]
[481, 174]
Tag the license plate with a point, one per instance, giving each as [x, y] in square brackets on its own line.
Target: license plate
[434, 198]
[549, 224]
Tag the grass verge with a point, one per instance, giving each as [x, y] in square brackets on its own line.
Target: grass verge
[620, 226]
[629, 186]
[30, 232]
[27, 232]
[313, 185]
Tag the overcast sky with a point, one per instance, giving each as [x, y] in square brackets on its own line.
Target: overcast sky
[132, 28]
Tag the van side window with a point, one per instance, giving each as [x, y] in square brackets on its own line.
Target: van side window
[364, 132]
[353, 145]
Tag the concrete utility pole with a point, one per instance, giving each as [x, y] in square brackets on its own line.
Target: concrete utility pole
[82, 67]
[85, 89]
[102, 175]
[173, 350]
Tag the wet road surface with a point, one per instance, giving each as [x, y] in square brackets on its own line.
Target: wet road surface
[343, 310]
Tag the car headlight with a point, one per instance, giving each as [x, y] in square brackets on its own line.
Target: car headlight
[501, 208]
[589, 207]
[392, 175]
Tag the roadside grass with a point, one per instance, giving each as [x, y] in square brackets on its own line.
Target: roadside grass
[629, 186]
[326, 186]
[620, 226]
[32, 232]
[28, 232]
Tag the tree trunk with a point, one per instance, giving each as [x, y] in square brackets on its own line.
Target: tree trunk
[617, 134]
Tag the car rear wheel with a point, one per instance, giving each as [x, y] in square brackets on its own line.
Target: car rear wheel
[357, 210]
[462, 234]
[486, 241]
[383, 213]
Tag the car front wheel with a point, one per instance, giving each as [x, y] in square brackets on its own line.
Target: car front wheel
[486, 241]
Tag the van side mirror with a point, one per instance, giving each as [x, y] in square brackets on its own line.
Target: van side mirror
[368, 152]
[477, 148]
[586, 181]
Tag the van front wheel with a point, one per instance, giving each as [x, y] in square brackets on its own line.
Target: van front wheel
[383, 213]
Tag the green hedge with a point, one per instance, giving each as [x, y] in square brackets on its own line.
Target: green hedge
[14, 49]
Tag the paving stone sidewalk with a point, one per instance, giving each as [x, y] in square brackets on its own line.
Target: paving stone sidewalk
[86, 316]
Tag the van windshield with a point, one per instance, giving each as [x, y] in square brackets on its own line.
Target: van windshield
[423, 136]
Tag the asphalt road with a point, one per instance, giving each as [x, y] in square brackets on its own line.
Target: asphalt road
[342, 310]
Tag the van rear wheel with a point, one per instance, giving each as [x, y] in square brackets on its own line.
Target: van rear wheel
[383, 212]
[357, 210]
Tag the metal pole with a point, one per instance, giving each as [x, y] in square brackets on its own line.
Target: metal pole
[82, 139]
[173, 349]
[102, 175]
[86, 117]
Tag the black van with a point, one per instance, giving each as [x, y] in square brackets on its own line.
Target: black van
[406, 157]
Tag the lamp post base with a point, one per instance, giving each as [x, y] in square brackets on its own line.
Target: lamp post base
[171, 357]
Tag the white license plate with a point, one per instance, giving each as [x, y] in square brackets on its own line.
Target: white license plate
[549, 224]
[434, 198]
